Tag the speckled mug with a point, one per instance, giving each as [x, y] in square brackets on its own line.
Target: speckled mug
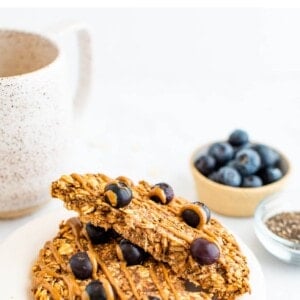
[36, 115]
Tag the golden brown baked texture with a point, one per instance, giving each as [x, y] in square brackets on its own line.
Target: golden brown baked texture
[53, 278]
[160, 231]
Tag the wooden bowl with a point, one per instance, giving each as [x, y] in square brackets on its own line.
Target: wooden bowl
[234, 201]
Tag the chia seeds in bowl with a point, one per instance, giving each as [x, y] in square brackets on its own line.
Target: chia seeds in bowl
[277, 226]
[286, 225]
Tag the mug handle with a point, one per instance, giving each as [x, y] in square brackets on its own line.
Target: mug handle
[82, 32]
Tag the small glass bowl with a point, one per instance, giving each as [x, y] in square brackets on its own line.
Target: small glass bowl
[284, 249]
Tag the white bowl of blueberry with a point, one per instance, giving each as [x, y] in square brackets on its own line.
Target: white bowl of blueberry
[233, 176]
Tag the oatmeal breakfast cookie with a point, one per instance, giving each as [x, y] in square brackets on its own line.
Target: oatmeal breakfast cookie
[88, 262]
[171, 229]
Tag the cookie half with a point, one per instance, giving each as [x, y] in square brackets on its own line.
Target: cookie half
[87, 262]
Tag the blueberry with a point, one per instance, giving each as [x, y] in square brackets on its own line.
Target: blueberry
[270, 175]
[229, 176]
[238, 138]
[132, 254]
[81, 265]
[252, 181]
[95, 290]
[98, 235]
[117, 194]
[204, 252]
[222, 152]
[269, 157]
[191, 216]
[247, 161]
[214, 177]
[205, 164]
[161, 193]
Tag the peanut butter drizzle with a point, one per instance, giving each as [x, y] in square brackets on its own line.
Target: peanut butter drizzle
[46, 270]
[93, 260]
[109, 292]
[204, 229]
[126, 180]
[172, 210]
[130, 281]
[56, 255]
[53, 292]
[73, 288]
[112, 198]
[180, 235]
[119, 253]
[201, 233]
[180, 202]
[211, 235]
[158, 192]
[172, 288]
[198, 210]
[76, 227]
[127, 275]
[107, 274]
[156, 282]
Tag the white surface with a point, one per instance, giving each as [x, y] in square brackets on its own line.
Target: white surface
[167, 81]
[45, 228]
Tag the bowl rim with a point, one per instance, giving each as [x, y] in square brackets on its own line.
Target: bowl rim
[260, 225]
[240, 189]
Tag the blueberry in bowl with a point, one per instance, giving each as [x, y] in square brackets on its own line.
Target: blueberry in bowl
[232, 176]
[269, 157]
[223, 152]
[270, 174]
[238, 138]
[247, 162]
[229, 176]
[206, 164]
[252, 181]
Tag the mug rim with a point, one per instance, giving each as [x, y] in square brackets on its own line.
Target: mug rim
[42, 36]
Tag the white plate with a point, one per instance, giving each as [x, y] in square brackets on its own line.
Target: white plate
[18, 252]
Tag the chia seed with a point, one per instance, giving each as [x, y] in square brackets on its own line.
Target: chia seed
[286, 225]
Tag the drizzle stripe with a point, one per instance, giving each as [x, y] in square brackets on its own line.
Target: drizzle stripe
[156, 282]
[130, 281]
[166, 275]
[107, 274]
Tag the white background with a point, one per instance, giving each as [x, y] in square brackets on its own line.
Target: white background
[169, 80]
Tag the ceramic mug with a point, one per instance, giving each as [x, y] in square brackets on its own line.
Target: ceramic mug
[36, 114]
